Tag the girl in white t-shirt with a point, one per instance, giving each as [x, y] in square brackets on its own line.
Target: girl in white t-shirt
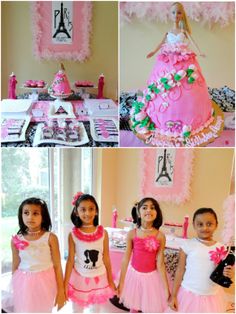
[37, 277]
[193, 291]
[88, 278]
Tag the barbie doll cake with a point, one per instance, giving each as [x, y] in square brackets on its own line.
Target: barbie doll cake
[175, 107]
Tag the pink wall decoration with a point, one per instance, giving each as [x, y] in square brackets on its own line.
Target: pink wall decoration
[207, 13]
[61, 30]
[166, 174]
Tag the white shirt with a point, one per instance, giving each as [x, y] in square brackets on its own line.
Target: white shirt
[199, 267]
[89, 253]
[37, 255]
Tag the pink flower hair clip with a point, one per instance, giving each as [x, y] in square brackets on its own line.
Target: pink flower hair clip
[76, 197]
[218, 255]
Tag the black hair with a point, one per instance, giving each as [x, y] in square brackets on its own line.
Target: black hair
[205, 210]
[75, 218]
[136, 219]
[46, 220]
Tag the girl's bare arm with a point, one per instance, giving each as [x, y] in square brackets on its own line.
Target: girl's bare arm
[125, 261]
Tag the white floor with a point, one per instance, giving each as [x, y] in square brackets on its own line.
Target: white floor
[105, 308]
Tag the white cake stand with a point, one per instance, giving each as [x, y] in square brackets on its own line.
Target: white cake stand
[59, 102]
[34, 91]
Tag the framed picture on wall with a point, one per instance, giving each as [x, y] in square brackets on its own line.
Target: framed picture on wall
[61, 29]
[166, 174]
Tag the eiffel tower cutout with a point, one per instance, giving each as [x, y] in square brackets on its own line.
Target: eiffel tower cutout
[61, 110]
[164, 172]
[61, 27]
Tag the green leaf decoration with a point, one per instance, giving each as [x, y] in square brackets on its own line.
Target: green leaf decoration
[191, 80]
[167, 87]
[151, 127]
[145, 121]
[214, 113]
[164, 80]
[156, 90]
[152, 86]
[189, 72]
[148, 97]
[186, 134]
[135, 124]
[141, 105]
[177, 77]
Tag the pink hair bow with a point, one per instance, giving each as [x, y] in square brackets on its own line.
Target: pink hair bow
[76, 196]
[19, 244]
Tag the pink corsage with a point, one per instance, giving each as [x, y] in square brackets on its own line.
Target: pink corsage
[19, 244]
[88, 237]
[218, 255]
[151, 244]
[76, 196]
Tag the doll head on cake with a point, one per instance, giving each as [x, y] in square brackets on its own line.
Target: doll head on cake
[60, 85]
[179, 16]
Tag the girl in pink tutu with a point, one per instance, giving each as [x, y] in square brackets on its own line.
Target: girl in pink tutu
[193, 291]
[143, 282]
[37, 274]
[88, 278]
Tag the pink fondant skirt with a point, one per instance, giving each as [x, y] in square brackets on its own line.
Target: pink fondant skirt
[143, 291]
[189, 302]
[86, 291]
[34, 292]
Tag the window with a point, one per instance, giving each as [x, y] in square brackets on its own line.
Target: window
[39, 172]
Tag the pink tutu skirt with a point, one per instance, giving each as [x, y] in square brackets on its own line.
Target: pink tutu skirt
[143, 291]
[34, 292]
[86, 291]
[189, 302]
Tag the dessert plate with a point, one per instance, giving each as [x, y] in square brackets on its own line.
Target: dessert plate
[104, 130]
[38, 139]
[5, 137]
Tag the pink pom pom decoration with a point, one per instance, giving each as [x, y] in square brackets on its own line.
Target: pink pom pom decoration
[229, 220]
[206, 13]
[76, 196]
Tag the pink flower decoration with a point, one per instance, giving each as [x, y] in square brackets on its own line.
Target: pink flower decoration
[76, 196]
[218, 255]
[19, 244]
[151, 244]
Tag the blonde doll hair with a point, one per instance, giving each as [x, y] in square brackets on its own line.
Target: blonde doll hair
[184, 23]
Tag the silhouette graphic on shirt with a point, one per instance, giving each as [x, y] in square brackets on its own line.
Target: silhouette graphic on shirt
[91, 256]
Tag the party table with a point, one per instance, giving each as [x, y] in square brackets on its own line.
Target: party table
[40, 113]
